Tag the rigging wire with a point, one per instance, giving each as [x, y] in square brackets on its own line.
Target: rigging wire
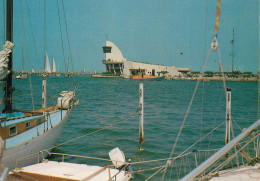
[40, 17]
[33, 38]
[4, 20]
[44, 31]
[107, 115]
[26, 53]
[187, 112]
[215, 118]
[61, 36]
[67, 33]
[202, 101]
[240, 16]
[258, 82]
[91, 133]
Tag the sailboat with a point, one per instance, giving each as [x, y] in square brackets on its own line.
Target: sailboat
[47, 67]
[22, 75]
[68, 70]
[27, 132]
[53, 66]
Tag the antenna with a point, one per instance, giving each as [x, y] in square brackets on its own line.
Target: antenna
[233, 54]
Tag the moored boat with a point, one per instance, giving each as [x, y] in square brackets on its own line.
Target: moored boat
[28, 132]
[146, 77]
[54, 170]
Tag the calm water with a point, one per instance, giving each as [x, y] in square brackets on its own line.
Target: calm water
[109, 101]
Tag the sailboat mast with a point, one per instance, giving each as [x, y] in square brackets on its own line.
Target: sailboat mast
[233, 54]
[22, 60]
[9, 37]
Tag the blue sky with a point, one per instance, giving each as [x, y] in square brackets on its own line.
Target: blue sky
[153, 31]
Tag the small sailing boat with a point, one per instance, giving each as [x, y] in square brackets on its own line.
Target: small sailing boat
[28, 132]
[53, 71]
[47, 67]
[53, 66]
[68, 70]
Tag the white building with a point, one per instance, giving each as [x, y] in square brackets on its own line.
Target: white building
[117, 64]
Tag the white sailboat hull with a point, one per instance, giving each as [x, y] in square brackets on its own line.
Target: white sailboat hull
[35, 145]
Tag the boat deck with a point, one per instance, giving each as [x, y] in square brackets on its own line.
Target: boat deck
[243, 173]
[52, 170]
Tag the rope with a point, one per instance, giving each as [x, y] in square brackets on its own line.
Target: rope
[29, 156]
[4, 20]
[78, 156]
[89, 133]
[223, 76]
[202, 138]
[258, 105]
[40, 17]
[34, 43]
[107, 115]
[154, 173]
[241, 12]
[202, 101]
[236, 123]
[44, 32]
[216, 117]
[231, 157]
[26, 52]
[61, 35]
[144, 170]
[67, 33]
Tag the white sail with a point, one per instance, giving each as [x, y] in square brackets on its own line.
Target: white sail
[47, 67]
[4, 54]
[33, 70]
[53, 65]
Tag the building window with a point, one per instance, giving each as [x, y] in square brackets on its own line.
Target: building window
[12, 130]
[28, 124]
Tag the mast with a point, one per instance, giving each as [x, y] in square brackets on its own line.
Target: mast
[22, 59]
[228, 116]
[233, 54]
[9, 37]
[141, 115]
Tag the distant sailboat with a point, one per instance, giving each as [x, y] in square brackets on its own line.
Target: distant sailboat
[53, 66]
[47, 67]
[68, 70]
[58, 73]
[33, 70]
[27, 132]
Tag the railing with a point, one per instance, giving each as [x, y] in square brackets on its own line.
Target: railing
[42, 154]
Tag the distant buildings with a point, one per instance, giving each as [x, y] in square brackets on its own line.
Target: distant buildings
[118, 65]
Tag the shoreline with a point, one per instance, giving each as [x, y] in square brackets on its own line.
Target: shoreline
[229, 79]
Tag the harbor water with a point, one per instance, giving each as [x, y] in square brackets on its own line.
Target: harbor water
[112, 104]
